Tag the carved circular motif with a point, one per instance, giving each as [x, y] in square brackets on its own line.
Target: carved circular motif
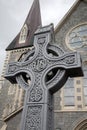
[39, 64]
[41, 40]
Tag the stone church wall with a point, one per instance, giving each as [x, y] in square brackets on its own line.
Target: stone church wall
[64, 120]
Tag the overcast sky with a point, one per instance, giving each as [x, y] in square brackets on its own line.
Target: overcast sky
[14, 12]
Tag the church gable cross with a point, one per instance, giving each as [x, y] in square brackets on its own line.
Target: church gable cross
[47, 68]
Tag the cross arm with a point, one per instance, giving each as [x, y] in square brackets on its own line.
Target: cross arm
[71, 62]
[74, 65]
[12, 70]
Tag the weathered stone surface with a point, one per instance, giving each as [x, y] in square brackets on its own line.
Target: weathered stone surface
[48, 68]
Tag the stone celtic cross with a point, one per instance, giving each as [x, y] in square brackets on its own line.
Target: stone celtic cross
[42, 72]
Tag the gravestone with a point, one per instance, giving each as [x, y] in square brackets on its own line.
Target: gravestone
[42, 72]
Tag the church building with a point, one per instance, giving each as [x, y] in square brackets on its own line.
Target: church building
[70, 103]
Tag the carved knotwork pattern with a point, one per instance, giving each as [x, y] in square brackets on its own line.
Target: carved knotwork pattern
[12, 68]
[70, 59]
[40, 53]
[65, 61]
[39, 64]
[41, 40]
[36, 92]
[33, 119]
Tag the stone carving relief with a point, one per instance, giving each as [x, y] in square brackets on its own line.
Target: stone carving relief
[45, 61]
[36, 95]
[39, 64]
[33, 120]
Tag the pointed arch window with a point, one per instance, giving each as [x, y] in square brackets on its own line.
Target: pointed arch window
[23, 34]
